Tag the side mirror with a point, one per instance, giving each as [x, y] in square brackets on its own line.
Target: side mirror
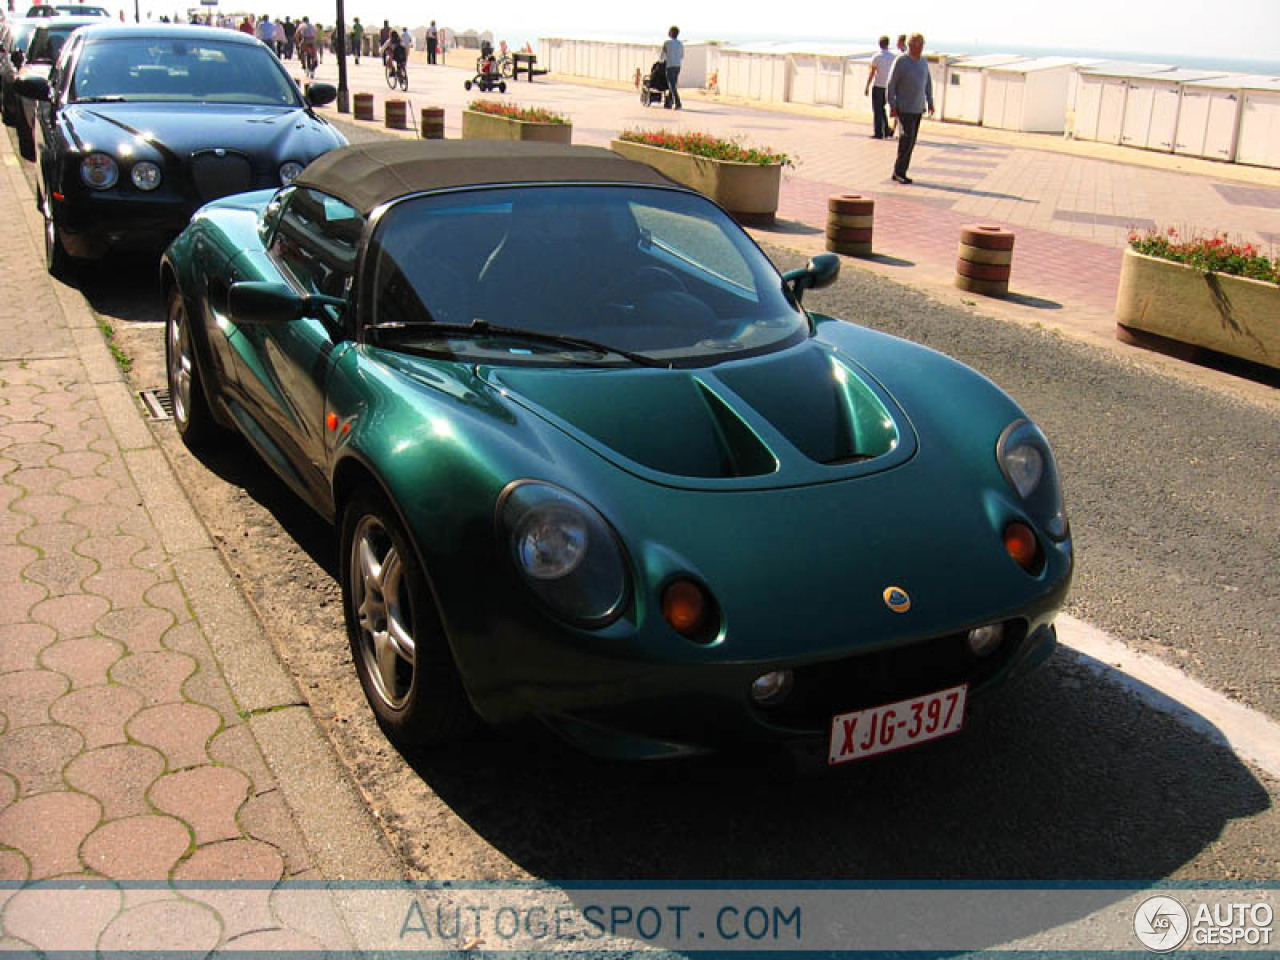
[318, 94]
[259, 302]
[820, 272]
[17, 57]
[33, 88]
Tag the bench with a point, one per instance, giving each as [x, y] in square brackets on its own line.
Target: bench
[526, 60]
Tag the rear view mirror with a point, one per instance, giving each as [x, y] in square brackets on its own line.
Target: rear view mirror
[258, 302]
[318, 94]
[820, 272]
[33, 88]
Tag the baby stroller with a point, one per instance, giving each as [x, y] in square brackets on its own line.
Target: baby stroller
[488, 77]
[654, 86]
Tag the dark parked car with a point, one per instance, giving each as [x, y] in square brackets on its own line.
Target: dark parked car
[46, 44]
[140, 125]
[592, 463]
[14, 37]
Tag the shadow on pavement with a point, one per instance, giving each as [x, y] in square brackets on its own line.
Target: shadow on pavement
[1038, 303]
[886, 260]
[1063, 777]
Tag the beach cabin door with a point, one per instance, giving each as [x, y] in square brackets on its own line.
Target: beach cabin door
[1260, 130]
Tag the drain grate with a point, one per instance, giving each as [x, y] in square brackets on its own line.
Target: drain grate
[158, 403]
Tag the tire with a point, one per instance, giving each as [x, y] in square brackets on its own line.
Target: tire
[508, 69]
[502, 87]
[403, 77]
[391, 77]
[56, 259]
[26, 139]
[401, 654]
[191, 413]
[466, 84]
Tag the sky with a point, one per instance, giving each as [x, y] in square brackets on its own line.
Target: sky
[1241, 29]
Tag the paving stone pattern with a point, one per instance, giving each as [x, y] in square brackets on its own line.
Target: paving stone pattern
[123, 756]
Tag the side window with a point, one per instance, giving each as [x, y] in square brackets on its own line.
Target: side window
[62, 68]
[316, 241]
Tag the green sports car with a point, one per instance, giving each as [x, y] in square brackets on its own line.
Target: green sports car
[592, 464]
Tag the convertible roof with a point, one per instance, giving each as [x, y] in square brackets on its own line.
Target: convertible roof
[367, 175]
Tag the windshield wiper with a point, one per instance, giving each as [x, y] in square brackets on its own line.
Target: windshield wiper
[483, 328]
[114, 98]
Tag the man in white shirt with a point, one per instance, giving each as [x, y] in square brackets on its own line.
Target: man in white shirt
[673, 57]
[877, 80]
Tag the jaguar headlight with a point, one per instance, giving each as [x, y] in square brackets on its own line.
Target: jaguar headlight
[289, 172]
[99, 171]
[145, 175]
[1028, 465]
[565, 551]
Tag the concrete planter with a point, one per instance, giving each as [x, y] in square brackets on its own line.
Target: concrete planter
[749, 191]
[487, 126]
[1232, 315]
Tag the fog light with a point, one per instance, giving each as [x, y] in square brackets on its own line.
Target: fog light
[984, 641]
[773, 687]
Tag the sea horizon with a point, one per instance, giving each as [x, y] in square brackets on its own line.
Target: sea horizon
[1194, 61]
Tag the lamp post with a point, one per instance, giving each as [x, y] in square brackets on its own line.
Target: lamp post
[344, 97]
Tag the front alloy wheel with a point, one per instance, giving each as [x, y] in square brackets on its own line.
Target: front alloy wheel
[399, 647]
[56, 260]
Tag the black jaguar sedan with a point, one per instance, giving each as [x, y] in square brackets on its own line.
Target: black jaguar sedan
[138, 126]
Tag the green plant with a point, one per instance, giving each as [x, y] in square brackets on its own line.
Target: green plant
[705, 145]
[123, 360]
[1212, 254]
[513, 112]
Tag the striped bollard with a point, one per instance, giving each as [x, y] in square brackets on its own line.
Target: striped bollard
[985, 260]
[849, 220]
[364, 106]
[397, 115]
[433, 123]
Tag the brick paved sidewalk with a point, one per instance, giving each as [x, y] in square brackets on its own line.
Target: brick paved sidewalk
[147, 732]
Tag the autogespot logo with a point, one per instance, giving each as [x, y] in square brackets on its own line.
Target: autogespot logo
[1161, 923]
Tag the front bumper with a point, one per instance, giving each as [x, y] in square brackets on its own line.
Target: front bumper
[91, 224]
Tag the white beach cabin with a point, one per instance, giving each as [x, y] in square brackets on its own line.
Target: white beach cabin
[1030, 95]
[1095, 109]
[965, 82]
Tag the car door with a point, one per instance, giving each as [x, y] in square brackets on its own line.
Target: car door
[284, 366]
[44, 128]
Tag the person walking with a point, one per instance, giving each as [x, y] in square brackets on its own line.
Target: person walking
[673, 58]
[357, 38]
[433, 42]
[910, 92]
[877, 80]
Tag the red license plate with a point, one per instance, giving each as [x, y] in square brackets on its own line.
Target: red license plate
[892, 726]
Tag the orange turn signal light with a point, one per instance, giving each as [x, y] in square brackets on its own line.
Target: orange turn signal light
[685, 607]
[1020, 541]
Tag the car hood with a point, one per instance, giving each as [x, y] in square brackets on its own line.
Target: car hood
[804, 415]
[183, 129]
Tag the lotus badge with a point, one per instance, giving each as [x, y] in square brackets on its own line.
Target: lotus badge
[897, 599]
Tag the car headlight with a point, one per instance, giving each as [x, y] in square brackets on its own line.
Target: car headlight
[99, 171]
[289, 172]
[565, 551]
[145, 175]
[1028, 465]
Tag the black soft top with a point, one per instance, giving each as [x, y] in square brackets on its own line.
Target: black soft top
[367, 175]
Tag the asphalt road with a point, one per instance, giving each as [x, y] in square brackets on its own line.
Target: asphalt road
[1173, 500]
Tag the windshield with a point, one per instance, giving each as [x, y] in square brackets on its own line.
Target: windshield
[182, 70]
[48, 41]
[656, 272]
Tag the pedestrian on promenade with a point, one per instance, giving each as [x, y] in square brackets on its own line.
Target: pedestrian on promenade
[910, 92]
[433, 42]
[357, 37]
[384, 33]
[290, 28]
[902, 43]
[673, 58]
[877, 80]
